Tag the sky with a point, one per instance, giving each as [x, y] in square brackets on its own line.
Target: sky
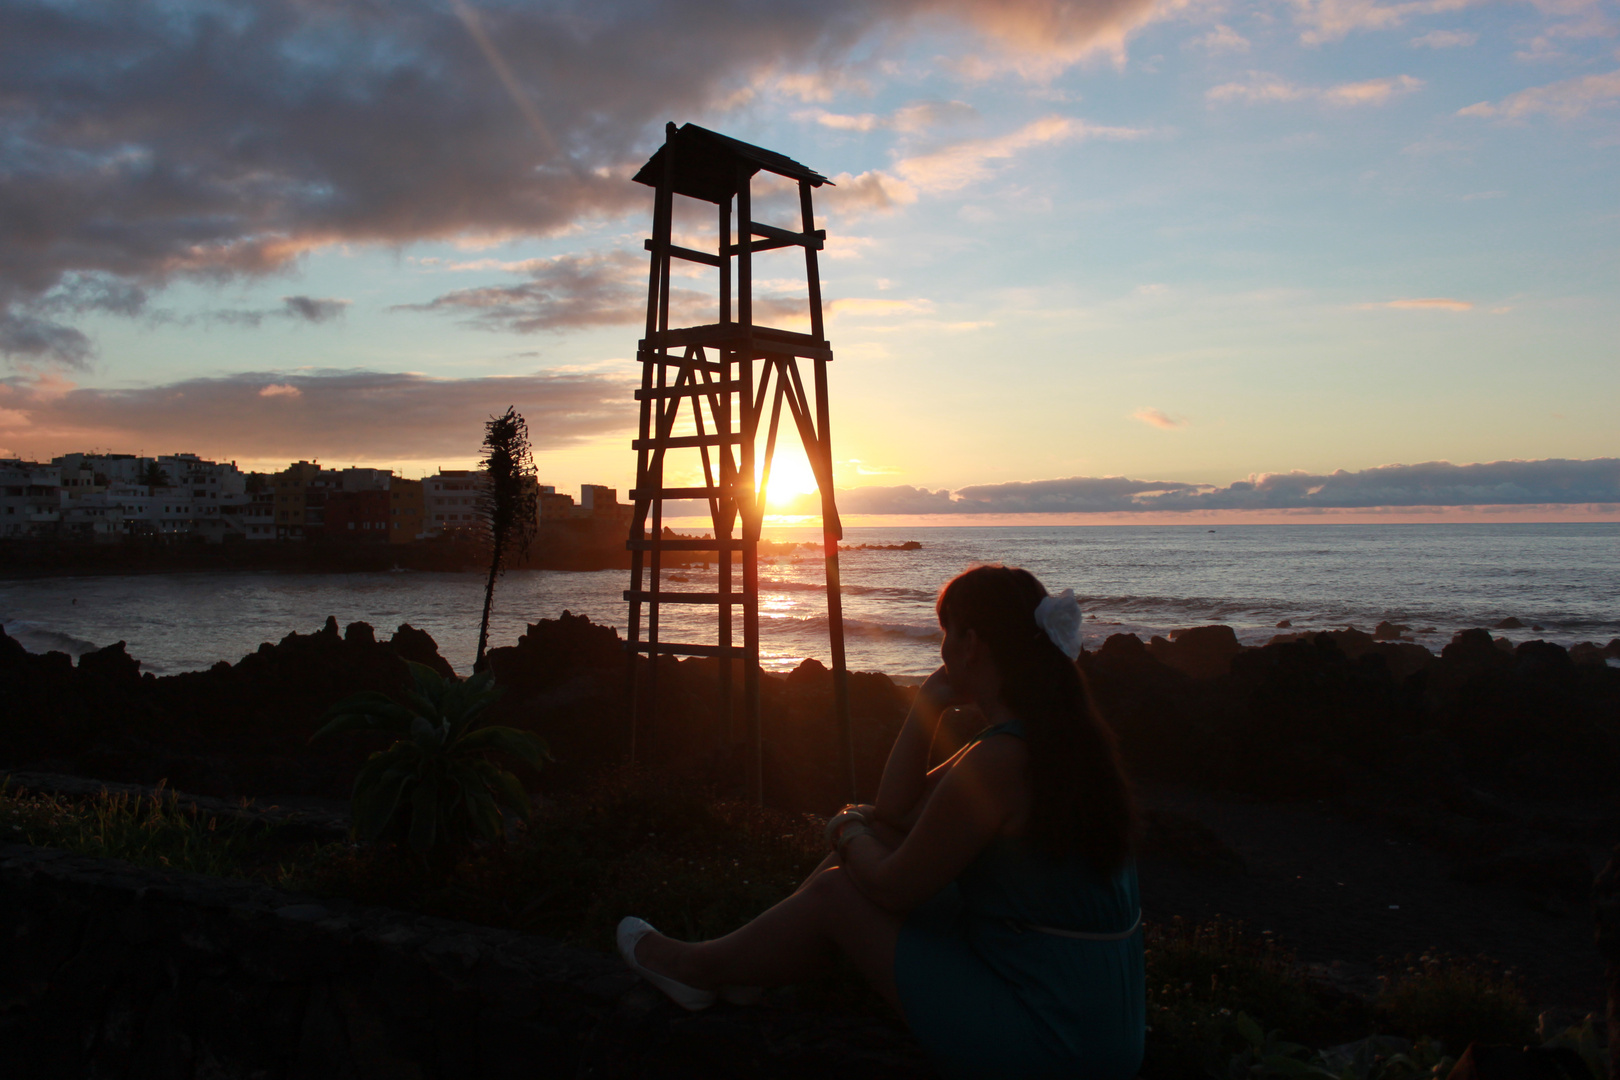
[1122, 260]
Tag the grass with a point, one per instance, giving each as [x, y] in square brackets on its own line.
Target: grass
[149, 830]
[697, 866]
[1455, 999]
[1203, 976]
[635, 843]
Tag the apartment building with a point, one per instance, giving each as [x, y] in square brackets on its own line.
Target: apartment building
[407, 511]
[452, 501]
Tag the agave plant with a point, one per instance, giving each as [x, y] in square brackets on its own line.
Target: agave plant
[434, 785]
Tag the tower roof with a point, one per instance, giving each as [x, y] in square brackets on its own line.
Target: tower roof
[705, 165]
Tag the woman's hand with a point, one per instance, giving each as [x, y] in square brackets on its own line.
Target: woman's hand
[938, 693]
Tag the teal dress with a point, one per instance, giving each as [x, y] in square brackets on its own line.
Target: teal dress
[989, 997]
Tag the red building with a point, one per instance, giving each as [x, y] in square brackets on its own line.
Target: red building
[357, 515]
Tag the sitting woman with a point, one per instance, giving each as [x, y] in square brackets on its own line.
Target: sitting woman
[991, 900]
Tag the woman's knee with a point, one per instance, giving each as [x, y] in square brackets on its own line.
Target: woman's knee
[836, 893]
[834, 888]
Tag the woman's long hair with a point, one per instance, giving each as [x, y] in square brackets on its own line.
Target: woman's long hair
[1081, 799]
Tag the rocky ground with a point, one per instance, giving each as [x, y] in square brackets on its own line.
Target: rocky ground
[1357, 798]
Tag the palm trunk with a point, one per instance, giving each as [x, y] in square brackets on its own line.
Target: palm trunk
[489, 602]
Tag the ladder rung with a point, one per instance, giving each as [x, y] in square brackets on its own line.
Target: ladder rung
[686, 253]
[645, 597]
[659, 393]
[653, 356]
[685, 543]
[639, 494]
[674, 442]
[735, 336]
[666, 649]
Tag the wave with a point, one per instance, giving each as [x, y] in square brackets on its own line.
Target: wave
[897, 592]
[861, 628]
[39, 639]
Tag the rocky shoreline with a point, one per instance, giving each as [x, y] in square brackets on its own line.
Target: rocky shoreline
[1493, 765]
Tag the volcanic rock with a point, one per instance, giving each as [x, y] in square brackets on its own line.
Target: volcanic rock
[1202, 652]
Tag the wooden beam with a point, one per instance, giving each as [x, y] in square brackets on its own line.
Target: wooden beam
[683, 597]
[686, 253]
[676, 442]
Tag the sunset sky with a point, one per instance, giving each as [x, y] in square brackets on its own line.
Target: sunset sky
[1118, 260]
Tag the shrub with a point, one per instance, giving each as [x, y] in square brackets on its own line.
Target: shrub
[434, 785]
[635, 843]
[151, 830]
[1200, 978]
[1456, 1000]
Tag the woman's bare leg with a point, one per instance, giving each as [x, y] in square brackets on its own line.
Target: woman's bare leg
[886, 834]
[792, 941]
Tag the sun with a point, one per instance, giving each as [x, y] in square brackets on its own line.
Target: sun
[791, 476]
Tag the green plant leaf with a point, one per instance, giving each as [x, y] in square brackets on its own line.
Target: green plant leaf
[520, 744]
[425, 815]
[1250, 1030]
[366, 711]
[507, 785]
[374, 809]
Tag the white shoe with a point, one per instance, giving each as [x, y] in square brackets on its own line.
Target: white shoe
[741, 995]
[631, 931]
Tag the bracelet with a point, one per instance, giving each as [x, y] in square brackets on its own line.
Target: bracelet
[849, 833]
[841, 821]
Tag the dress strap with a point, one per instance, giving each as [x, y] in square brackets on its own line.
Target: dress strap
[1015, 726]
[1079, 935]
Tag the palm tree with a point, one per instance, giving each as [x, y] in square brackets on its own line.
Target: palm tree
[434, 785]
[154, 476]
[508, 502]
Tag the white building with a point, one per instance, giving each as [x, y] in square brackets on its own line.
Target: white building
[31, 497]
[451, 500]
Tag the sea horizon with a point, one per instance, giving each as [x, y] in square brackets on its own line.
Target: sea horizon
[1555, 578]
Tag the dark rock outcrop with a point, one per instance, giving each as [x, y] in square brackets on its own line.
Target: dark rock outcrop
[234, 730]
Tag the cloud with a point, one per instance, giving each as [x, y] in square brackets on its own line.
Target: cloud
[1263, 88]
[872, 192]
[1427, 303]
[1567, 100]
[566, 292]
[859, 306]
[313, 309]
[1155, 418]
[1444, 39]
[150, 142]
[909, 119]
[357, 415]
[959, 164]
[1221, 39]
[1434, 483]
[1331, 20]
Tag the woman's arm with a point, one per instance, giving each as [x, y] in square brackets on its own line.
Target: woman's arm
[974, 800]
[906, 780]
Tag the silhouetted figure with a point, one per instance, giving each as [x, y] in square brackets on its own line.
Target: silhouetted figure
[992, 900]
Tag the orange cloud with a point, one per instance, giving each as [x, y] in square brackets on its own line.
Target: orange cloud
[1330, 20]
[356, 415]
[1566, 100]
[957, 165]
[1263, 88]
[1157, 419]
[1427, 303]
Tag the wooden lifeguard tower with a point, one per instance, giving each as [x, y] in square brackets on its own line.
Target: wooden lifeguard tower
[725, 372]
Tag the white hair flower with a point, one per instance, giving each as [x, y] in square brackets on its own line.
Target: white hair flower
[1059, 616]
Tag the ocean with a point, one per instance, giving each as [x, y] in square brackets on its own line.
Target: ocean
[1145, 580]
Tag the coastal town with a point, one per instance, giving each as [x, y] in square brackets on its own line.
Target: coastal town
[108, 498]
